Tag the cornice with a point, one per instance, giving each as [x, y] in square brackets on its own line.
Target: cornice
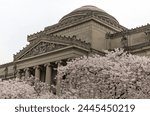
[143, 28]
[7, 64]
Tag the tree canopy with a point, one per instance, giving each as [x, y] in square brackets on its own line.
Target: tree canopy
[117, 75]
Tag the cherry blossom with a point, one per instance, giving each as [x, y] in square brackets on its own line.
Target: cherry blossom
[117, 75]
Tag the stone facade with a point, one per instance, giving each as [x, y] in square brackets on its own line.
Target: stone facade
[84, 31]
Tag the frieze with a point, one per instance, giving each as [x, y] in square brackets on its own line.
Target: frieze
[61, 26]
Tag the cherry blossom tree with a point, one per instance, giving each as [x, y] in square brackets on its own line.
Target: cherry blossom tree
[28, 88]
[12, 89]
[117, 75]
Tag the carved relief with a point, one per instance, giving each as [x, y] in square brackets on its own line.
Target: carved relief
[41, 48]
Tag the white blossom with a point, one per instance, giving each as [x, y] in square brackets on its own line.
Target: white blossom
[115, 75]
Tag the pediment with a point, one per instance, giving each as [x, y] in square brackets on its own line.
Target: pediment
[47, 44]
[40, 48]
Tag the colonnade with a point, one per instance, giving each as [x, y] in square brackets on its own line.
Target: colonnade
[44, 72]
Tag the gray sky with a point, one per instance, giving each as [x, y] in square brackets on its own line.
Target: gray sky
[19, 18]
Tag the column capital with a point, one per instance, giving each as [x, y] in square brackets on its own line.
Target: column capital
[36, 67]
[47, 64]
[19, 70]
[18, 75]
[15, 67]
[27, 69]
[6, 68]
[27, 72]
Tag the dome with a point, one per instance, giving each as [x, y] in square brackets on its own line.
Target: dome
[89, 7]
[86, 11]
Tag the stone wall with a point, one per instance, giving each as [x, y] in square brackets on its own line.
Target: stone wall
[99, 41]
[82, 31]
[133, 39]
[137, 38]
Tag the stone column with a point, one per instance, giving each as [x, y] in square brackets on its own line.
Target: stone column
[27, 73]
[18, 75]
[58, 84]
[48, 73]
[14, 70]
[6, 72]
[37, 72]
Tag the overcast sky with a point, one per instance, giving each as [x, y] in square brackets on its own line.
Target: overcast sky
[19, 18]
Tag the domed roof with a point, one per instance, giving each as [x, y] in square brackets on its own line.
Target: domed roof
[89, 7]
[88, 10]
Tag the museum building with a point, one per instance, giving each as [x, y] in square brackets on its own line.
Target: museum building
[84, 31]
